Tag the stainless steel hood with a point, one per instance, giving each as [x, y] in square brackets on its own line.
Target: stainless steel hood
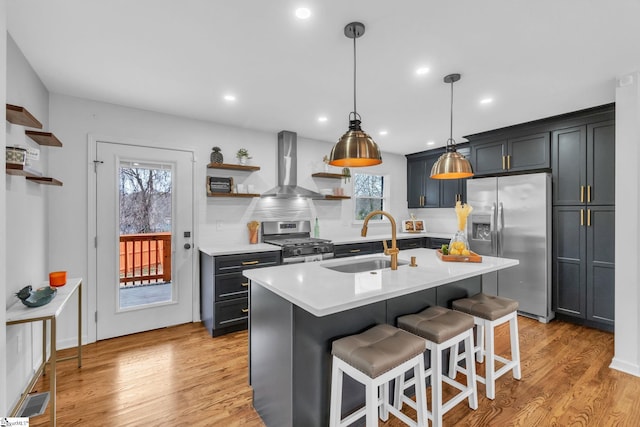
[287, 187]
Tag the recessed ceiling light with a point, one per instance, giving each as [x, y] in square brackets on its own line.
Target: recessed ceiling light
[322, 119]
[486, 101]
[383, 132]
[229, 97]
[422, 71]
[303, 13]
[430, 142]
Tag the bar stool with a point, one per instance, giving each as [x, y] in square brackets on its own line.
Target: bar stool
[442, 328]
[489, 312]
[374, 358]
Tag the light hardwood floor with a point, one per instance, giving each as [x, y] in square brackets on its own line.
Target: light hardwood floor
[180, 376]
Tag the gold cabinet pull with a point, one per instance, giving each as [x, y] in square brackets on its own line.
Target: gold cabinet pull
[355, 251]
[509, 162]
[589, 193]
[244, 285]
[504, 162]
[250, 262]
[581, 217]
[588, 217]
[422, 200]
[245, 310]
[582, 194]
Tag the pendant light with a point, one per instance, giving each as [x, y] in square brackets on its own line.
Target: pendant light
[355, 148]
[451, 165]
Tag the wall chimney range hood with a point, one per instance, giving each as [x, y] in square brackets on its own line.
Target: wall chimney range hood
[287, 187]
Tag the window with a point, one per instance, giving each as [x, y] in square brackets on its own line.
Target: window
[368, 191]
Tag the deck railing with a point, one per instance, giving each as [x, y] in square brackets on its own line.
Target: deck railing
[145, 258]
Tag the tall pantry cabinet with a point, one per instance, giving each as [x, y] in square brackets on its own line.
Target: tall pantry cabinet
[583, 164]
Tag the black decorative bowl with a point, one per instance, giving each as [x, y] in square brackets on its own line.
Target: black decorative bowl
[36, 298]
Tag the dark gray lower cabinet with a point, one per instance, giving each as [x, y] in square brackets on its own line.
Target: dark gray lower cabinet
[354, 249]
[584, 264]
[224, 291]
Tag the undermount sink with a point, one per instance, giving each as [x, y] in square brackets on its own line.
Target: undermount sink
[362, 265]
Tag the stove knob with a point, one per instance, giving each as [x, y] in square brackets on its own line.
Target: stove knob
[297, 251]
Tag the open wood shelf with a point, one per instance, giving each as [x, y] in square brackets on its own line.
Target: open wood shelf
[336, 197]
[232, 195]
[44, 138]
[20, 116]
[45, 180]
[328, 175]
[229, 166]
[13, 169]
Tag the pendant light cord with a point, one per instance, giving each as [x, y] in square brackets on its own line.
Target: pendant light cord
[355, 113]
[451, 118]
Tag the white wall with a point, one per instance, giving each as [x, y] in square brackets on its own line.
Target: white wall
[627, 298]
[4, 407]
[220, 220]
[26, 222]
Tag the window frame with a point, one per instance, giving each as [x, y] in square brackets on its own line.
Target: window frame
[384, 198]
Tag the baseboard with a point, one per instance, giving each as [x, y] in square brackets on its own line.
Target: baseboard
[626, 367]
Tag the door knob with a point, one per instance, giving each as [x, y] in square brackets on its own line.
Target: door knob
[187, 245]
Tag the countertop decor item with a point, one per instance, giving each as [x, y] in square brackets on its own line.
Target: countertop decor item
[37, 298]
[355, 148]
[451, 165]
[216, 156]
[254, 227]
[57, 278]
[243, 155]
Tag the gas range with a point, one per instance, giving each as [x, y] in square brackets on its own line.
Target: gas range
[294, 237]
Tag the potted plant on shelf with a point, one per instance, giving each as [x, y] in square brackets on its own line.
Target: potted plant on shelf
[243, 156]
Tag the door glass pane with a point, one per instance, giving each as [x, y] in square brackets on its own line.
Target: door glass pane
[145, 234]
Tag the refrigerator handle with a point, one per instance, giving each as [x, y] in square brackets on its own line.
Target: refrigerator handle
[492, 229]
[500, 228]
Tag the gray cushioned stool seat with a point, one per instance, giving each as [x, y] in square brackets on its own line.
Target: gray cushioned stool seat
[437, 324]
[379, 349]
[486, 306]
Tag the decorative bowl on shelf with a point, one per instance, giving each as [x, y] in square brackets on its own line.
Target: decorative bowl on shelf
[37, 298]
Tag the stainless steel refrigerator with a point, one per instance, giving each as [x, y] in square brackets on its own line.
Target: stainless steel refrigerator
[511, 218]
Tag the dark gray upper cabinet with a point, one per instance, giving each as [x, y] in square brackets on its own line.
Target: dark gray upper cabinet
[424, 192]
[511, 154]
[584, 164]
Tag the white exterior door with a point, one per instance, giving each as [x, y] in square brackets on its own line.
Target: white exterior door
[144, 249]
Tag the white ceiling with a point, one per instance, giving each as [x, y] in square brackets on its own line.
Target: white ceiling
[534, 58]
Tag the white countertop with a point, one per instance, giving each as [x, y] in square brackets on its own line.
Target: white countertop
[231, 249]
[322, 291]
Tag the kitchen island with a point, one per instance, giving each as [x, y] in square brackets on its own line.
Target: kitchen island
[298, 310]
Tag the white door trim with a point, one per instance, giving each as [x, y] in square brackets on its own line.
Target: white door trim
[89, 285]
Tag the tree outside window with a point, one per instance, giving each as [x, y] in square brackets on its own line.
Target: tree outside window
[368, 191]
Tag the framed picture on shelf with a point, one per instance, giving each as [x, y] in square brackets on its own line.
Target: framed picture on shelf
[413, 226]
[216, 184]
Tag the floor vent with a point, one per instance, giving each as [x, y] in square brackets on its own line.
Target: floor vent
[34, 404]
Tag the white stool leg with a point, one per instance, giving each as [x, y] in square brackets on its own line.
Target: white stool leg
[471, 371]
[384, 406]
[371, 410]
[436, 385]
[480, 342]
[421, 393]
[335, 410]
[515, 346]
[490, 368]
[453, 361]
[398, 392]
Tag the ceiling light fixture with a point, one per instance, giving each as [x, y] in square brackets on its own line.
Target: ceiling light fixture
[451, 165]
[422, 71]
[303, 13]
[383, 132]
[355, 148]
[229, 98]
[486, 101]
[322, 119]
